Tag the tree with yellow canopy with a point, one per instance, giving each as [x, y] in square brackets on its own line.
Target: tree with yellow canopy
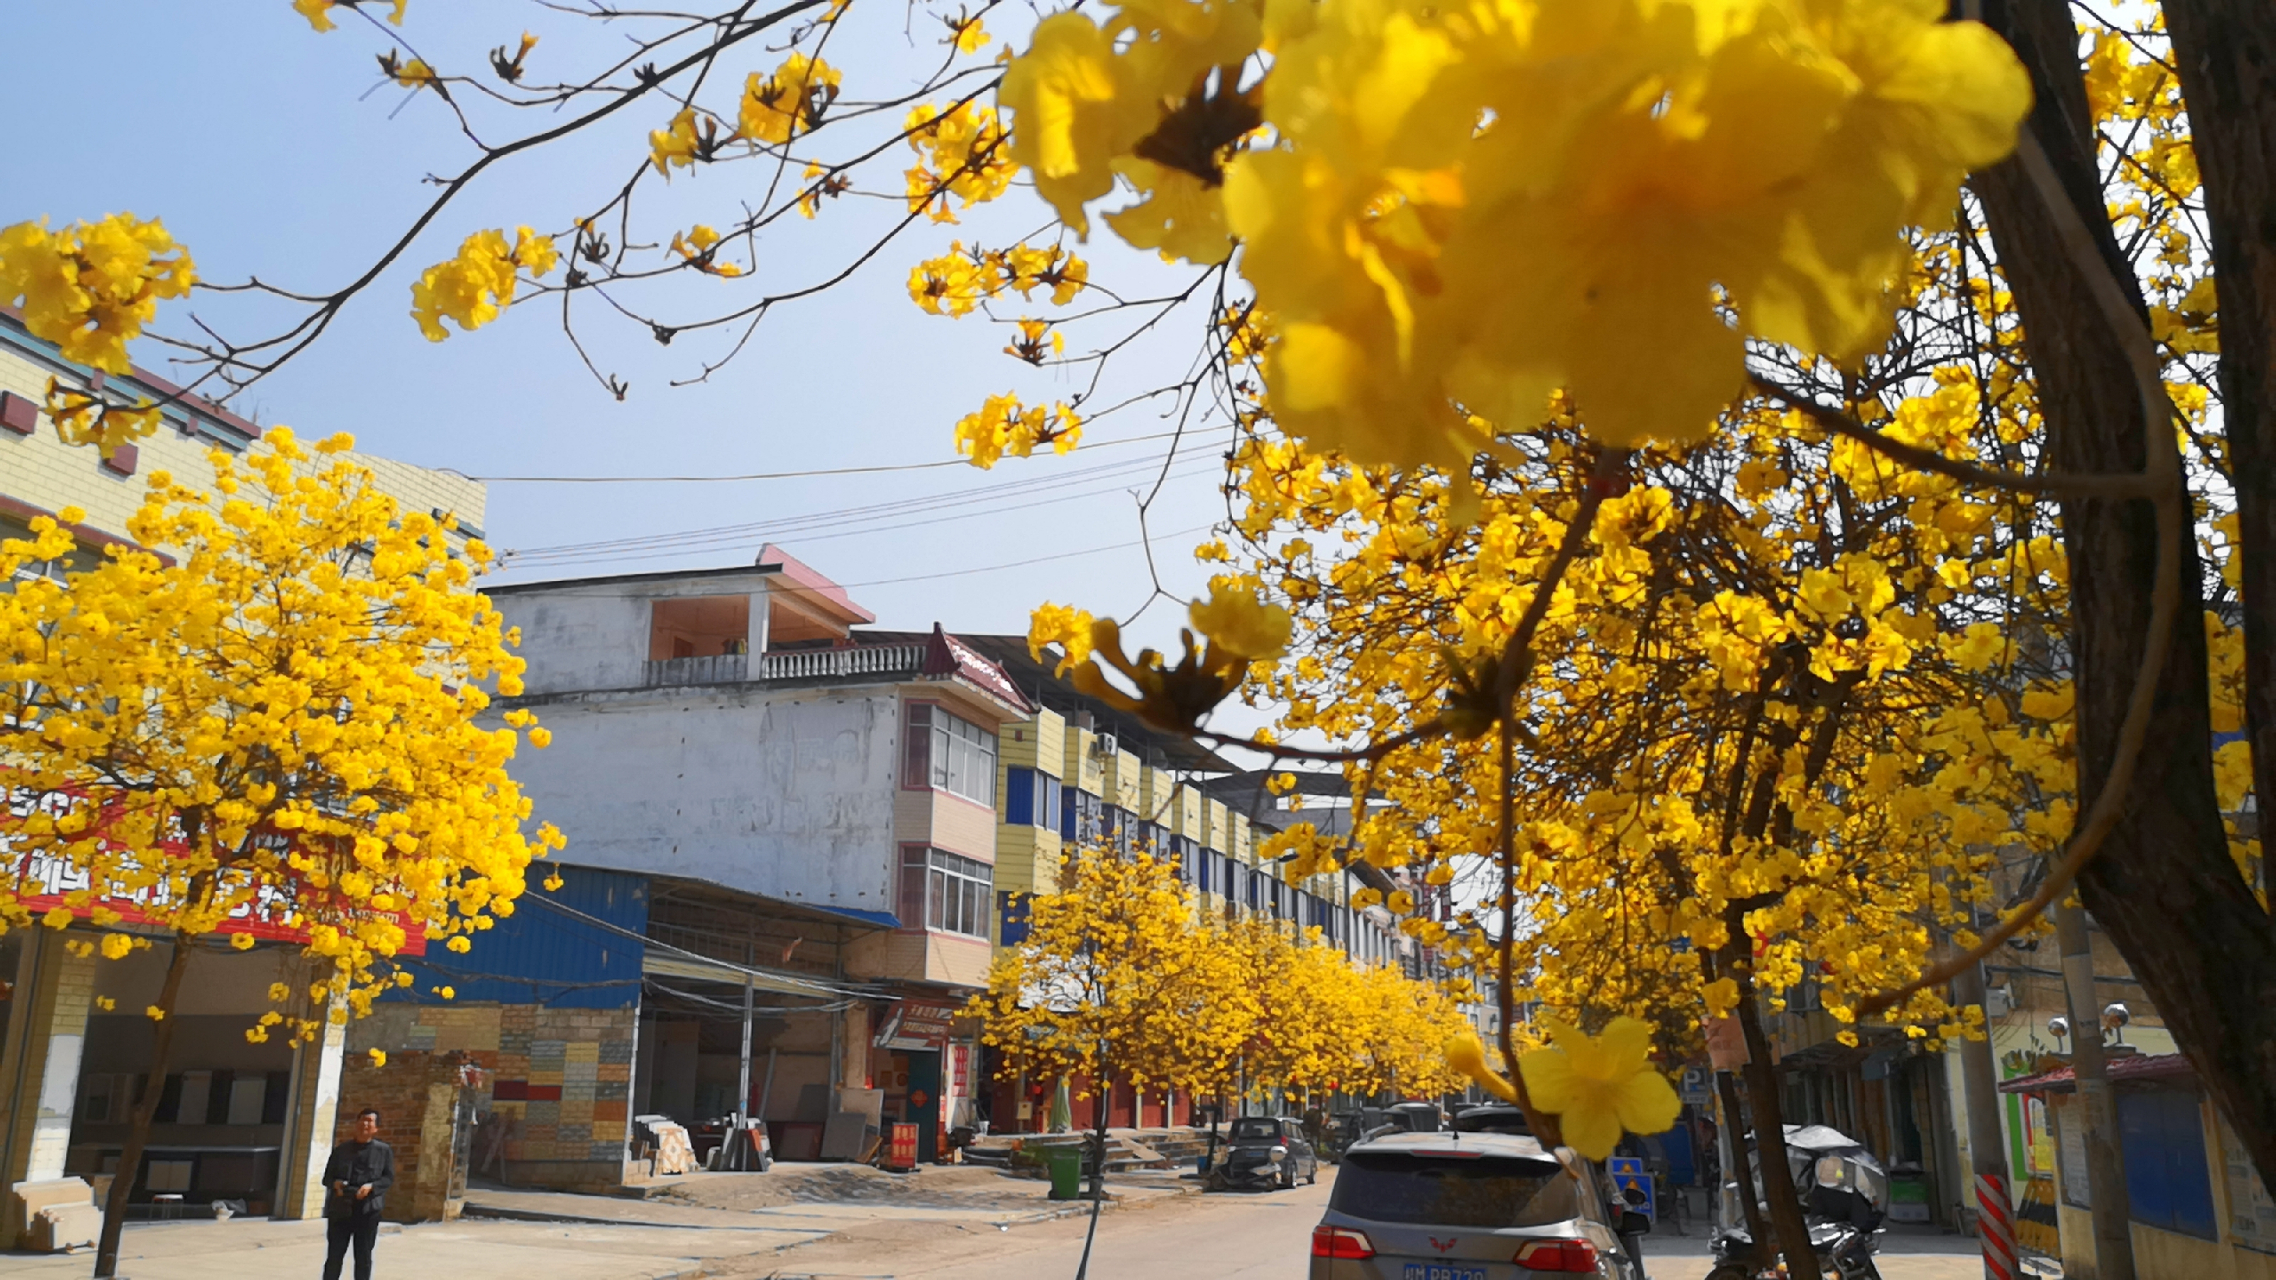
[275, 715]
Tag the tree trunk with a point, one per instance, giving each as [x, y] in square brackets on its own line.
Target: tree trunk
[145, 1112]
[2225, 52]
[1741, 1173]
[1099, 1116]
[2163, 885]
[1768, 1112]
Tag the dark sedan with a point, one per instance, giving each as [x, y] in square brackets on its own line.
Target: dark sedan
[1265, 1151]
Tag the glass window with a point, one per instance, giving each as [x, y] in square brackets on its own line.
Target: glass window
[1450, 1192]
[945, 892]
[950, 753]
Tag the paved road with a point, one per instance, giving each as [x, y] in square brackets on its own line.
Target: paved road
[1265, 1236]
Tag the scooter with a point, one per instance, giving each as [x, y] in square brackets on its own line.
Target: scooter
[1845, 1196]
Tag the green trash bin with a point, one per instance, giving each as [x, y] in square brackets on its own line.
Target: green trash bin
[1066, 1167]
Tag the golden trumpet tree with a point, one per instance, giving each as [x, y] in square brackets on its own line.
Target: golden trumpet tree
[1740, 420]
[274, 717]
[1116, 980]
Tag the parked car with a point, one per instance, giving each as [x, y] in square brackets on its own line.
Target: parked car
[1491, 1117]
[1408, 1117]
[1265, 1151]
[1467, 1206]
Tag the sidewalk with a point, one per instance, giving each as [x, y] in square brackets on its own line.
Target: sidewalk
[240, 1249]
[580, 1237]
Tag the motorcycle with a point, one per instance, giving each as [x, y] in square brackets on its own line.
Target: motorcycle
[1845, 1197]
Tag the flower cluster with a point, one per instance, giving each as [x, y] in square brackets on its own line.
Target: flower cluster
[89, 288]
[961, 153]
[1002, 425]
[474, 287]
[1477, 205]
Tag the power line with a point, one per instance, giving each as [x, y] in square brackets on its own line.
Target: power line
[783, 475]
[1016, 564]
[807, 529]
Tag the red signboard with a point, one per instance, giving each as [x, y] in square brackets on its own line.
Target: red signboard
[274, 911]
[902, 1157]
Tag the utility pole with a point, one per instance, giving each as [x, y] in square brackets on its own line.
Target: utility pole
[2097, 1106]
[1987, 1144]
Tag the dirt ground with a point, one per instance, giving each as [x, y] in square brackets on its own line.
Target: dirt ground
[885, 1249]
[929, 1186]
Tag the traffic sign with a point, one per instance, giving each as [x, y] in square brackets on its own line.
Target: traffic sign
[1628, 1172]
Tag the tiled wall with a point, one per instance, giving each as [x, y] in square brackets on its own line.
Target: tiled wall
[560, 1079]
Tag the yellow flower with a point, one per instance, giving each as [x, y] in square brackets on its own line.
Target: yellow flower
[1465, 1054]
[1074, 109]
[475, 286]
[1401, 902]
[1064, 626]
[117, 946]
[447, 993]
[1003, 425]
[1239, 623]
[540, 737]
[676, 146]
[790, 101]
[242, 941]
[378, 1057]
[316, 11]
[553, 883]
[106, 1003]
[57, 918]
[154, 1013]
[1600, 1085]
[459, 944]
[90, 287]
[966, 32]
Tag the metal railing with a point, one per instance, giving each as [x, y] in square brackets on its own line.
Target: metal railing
[796, 664]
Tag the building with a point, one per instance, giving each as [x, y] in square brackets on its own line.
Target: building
[236, 1120]
[2197, 1204]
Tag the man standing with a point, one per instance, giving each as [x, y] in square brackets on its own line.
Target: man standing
[356, 1180]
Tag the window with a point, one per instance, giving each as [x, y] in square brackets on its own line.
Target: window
[1031, 798]
[950, 754]
[1082, 816]
[945, 893]
[1450, 1192]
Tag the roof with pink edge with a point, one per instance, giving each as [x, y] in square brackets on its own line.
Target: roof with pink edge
[814, 587]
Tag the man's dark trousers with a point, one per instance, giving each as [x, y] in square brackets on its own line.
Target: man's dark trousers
[361, 1229]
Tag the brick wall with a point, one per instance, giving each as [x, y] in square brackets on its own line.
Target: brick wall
[417, 1093]
[559, 1080]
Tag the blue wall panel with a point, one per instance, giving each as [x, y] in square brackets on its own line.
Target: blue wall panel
[2162, 1136]
[540, 955]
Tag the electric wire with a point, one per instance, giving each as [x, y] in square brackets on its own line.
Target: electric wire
[819, 531]
[786, 475]
[928, 501]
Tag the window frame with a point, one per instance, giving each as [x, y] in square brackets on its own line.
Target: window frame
[944, 892]
[942, 751]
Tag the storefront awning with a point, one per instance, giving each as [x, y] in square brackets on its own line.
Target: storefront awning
[659, 963]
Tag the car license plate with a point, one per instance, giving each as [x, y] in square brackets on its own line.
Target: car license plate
[1442, 1271]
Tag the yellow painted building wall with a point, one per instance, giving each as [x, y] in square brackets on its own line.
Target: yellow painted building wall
[1080, 766]
[1122, 786]
[41, 470]
[1216, 825]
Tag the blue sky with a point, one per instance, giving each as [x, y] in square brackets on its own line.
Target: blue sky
[273, 151]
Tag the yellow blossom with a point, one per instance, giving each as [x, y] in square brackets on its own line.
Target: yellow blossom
[474, 287]
[1239, 623]
[1600, 1085]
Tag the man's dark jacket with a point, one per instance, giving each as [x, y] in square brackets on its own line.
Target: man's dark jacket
[357, 1163]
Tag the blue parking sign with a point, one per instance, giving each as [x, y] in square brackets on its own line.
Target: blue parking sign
[1628, 1171]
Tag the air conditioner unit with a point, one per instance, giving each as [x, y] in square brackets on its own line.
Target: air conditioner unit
[1107, 746]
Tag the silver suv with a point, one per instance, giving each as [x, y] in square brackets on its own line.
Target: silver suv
[1466, 1206]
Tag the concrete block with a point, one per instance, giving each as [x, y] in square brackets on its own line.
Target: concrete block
[27, 1200]
[64, 1226]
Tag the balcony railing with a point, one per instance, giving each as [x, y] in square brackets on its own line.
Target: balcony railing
[796, 664]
